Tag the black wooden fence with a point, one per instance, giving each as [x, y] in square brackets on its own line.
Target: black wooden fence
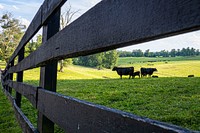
[109, 25]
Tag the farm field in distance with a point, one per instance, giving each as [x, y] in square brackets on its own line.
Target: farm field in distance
[172, 98]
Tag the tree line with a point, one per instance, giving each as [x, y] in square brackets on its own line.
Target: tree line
[101, 60]
[163, 53]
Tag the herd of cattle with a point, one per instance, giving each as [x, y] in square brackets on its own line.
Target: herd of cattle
[130, 71]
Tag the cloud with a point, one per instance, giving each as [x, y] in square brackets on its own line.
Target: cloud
[1, 6]
[24, 21]
[15, 7]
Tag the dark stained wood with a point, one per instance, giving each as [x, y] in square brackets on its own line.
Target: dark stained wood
[50, 6]
[110, 24]
[18, 96]
[115, 24]
[44, 12]
[33, 28]
[29, 91]
[11, 77]
[25, 124]
[48, 74]
[74, 115]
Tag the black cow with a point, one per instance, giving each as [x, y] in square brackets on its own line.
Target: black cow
[124, 71]
[147, 71]
[137, 73]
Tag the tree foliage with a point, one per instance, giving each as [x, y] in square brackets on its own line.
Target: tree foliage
[10, 36]
[33, 45]
[99, 60]
[163, 53]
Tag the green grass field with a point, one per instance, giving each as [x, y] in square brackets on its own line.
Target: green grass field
[172, 98]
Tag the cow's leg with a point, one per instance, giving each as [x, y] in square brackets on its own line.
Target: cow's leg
[120, 76]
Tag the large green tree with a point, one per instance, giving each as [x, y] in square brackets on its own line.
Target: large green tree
[10, 35]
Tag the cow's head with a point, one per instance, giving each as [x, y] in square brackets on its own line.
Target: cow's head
[154, 69]
[114, 68]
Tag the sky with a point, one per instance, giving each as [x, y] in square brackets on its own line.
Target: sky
[26, 9]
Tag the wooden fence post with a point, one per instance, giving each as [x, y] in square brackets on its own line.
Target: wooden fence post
[11, 77]
[48, 74]
[19, 78]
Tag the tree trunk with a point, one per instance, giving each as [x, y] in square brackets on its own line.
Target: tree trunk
[61, 66]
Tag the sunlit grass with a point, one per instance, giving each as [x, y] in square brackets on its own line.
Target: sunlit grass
[172, 100]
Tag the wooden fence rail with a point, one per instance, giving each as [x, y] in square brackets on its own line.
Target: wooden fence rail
[109, 25]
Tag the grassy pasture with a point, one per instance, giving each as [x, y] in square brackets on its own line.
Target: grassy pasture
[174, 98]
[167, 67]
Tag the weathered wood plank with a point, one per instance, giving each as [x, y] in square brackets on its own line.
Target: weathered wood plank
[44, 12]
[33, 28]
[48, 73]
[11, 76]
[18, 96]
[83, 117]
[50, 6]
[115, 24]
[29, 91]
[25, 124]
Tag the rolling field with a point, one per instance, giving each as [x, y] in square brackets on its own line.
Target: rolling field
[167, 67]
[173, 98]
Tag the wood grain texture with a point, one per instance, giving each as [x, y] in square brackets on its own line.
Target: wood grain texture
[33, 28]
[48, 73]
[25, 124]
[50, 6]
[74, 115]
[29, 91]
[41, 17]
[114, 24]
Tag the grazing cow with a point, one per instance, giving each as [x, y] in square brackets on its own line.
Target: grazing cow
[190, 76]
[137, 73]
[147, 71]
[124, 71]
[154, 76]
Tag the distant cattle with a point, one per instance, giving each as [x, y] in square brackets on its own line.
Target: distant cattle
[124, 71]
[137, 73]
[147, 71]
[154, 76]
[190, 76]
